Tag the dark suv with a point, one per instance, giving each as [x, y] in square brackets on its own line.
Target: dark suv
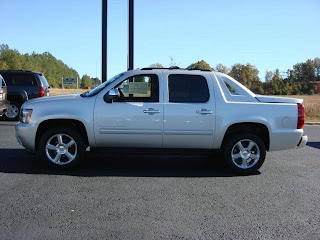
[23, 85]
[4, 104]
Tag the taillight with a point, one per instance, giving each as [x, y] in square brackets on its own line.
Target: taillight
[41, 91]
[301, 116]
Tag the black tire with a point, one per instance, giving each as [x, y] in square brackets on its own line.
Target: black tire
[16, 108]
[247, 162]
[51, 136]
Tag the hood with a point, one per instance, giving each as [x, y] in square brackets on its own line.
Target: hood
[61, 99]
[54, 98]
[272, 99]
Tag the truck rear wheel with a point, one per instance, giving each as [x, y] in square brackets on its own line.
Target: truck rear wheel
[62, 148]
[245, 153]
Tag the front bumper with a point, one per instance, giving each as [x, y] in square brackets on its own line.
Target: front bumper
[303, 141]
[26, 135]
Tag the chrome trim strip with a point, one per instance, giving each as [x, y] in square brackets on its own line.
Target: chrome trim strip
[130, 131]
[188, 132]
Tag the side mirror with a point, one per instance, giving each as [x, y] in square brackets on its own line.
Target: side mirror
[113, 94]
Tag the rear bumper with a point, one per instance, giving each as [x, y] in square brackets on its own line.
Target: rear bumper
[303, 141]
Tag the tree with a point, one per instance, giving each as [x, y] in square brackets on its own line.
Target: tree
[156, 65]
[221, 68]
[200, 65]
[269, 75]
[246, 74]
[86, 82]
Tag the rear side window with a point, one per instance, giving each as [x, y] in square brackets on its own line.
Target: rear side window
[188, 88]
[43, 80]
[24, 80]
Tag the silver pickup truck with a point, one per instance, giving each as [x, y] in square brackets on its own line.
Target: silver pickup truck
[163, 109]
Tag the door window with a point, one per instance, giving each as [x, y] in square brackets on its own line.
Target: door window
[188, 88]
[139, 88]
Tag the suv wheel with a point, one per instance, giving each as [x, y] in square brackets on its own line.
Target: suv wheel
[12, 113]
[245, 153]
[62, 148]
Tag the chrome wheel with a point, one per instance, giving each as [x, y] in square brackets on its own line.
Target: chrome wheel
[245, 154]
[61, 149]
[12, 112]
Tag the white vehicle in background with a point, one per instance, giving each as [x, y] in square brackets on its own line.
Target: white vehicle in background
[4, 104]
[163, 109]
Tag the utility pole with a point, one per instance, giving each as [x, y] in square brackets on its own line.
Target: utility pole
[104, 39]
[131, 34]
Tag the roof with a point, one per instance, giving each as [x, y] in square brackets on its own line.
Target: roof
[21, 71]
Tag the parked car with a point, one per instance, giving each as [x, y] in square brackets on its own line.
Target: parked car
[4, 104]
[163, 109]
[22, 86]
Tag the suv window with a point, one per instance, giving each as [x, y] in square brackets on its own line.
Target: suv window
[139, 88]
[188, 88]
[24, 80]
[43, 80]
[20, 79]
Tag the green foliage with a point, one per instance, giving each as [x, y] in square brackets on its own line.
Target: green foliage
[247, 75]
[53, 69]
[156, 65]
[302, 79]
[86, 82]
[200, 65]
[221, 68]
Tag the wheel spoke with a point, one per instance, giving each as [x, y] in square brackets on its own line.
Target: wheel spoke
[240, 146]
[236, 156]
[69, 155]
[244, 163]
[250, 146]
[51, 147]
[59, 136]
[58, 157]
[69, 144]
[254, 156]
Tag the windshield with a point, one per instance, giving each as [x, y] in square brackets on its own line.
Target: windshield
[101, 86]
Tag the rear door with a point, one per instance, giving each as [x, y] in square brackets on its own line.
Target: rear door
[189, 111]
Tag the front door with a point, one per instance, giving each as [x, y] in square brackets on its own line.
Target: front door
[136, 119]
[189, 111]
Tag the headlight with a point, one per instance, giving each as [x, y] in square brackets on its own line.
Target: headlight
[25, 115]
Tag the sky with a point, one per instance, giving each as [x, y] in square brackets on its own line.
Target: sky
[268, 34]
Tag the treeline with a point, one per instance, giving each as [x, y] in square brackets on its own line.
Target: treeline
[53, 68]
[303, 78]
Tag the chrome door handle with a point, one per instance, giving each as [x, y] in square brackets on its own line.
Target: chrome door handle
[204, 111]
[151, 111]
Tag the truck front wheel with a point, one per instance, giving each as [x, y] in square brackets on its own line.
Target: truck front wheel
[245, 153]
[61, 147]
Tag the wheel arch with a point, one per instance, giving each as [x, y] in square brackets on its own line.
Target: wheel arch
[47, 124]
[259, 129]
